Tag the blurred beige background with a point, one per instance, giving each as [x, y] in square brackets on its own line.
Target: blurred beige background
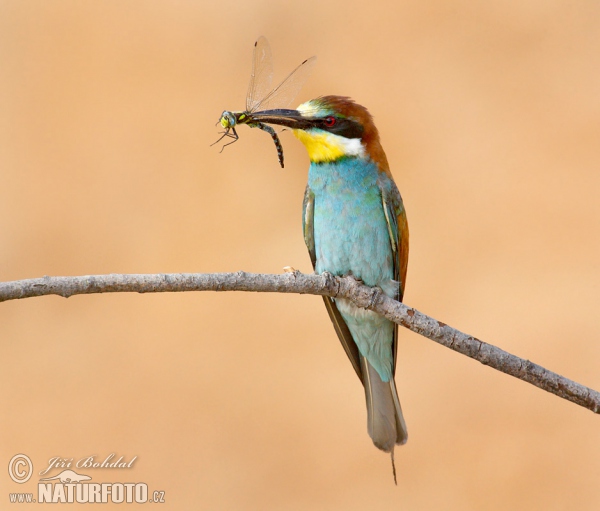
[490, 116]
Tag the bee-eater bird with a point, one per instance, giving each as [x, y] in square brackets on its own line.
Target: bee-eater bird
[354, 224]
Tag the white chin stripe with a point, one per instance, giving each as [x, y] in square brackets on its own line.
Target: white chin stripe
[346, 146]
[352, 146]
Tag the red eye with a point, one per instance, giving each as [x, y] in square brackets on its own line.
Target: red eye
[330, 121]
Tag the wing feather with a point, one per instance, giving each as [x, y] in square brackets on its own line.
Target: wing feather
[395, 216]
[339, 324]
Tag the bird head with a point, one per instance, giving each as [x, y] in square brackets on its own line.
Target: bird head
[331, 128]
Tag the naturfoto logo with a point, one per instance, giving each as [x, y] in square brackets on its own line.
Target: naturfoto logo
[69, 485]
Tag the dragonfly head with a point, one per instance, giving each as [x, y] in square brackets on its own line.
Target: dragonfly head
[228, 119]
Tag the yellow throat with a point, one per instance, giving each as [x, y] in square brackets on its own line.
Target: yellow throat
[321, 146]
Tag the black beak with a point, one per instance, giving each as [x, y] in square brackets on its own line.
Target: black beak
[283, 117]
[344, 127]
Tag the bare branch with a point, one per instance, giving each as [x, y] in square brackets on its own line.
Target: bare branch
[326, 285]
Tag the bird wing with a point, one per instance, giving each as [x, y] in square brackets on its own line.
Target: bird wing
[350, 347]
[395, 216]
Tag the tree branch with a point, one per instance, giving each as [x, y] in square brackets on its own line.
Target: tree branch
[326, 285]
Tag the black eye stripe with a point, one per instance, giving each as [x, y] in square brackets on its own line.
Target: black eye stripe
[343, 127]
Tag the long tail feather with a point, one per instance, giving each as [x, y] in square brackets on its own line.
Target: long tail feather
[401, 431]
[385, 422]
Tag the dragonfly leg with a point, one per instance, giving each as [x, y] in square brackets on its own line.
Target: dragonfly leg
[227, 133]
[275, 138]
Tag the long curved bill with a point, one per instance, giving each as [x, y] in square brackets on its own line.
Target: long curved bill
[282, 117]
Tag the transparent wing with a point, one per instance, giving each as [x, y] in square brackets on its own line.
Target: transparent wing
[283, 95]
[262, 74]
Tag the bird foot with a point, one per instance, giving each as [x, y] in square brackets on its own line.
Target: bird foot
[289, 269]
[328, 276]
[354, 277]
[374, 296]
[330, 282]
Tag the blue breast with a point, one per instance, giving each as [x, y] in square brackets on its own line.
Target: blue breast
[350, 228]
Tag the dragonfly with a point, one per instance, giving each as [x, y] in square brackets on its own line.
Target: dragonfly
[261, 96]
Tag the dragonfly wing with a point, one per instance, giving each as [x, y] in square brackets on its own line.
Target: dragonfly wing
[261, 78]
[283, 95]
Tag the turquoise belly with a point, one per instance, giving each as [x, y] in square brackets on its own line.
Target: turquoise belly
[351, 236]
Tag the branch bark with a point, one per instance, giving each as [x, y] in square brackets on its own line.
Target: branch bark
[326, 285]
